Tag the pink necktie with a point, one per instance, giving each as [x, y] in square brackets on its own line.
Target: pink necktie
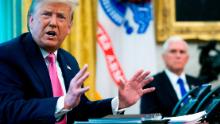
[56, 86]
[57, 89]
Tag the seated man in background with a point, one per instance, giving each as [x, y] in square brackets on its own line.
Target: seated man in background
[172, 83]
[40, 83]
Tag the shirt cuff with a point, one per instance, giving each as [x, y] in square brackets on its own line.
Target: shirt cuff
[60, 111]
[115, 106]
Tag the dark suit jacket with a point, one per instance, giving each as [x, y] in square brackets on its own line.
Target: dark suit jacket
[25, 86]
[164, 98]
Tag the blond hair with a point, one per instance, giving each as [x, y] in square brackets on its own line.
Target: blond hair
[71, 3]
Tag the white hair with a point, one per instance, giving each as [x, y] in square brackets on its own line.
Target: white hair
[173, 39]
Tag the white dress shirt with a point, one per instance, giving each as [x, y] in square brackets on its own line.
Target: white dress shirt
[173, 79]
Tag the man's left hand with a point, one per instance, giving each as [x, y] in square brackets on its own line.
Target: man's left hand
[132, 90]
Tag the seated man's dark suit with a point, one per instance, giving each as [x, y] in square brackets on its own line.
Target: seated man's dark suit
[164, 98]
[25, 87]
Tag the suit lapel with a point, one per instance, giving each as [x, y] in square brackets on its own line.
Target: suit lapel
[188, 82]
[65, 68]
[38, 64]
[171, 92]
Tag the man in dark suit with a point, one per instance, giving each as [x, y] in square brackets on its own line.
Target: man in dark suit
[168, 91]
[40, 83]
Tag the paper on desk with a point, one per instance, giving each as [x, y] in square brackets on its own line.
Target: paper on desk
[187, 118]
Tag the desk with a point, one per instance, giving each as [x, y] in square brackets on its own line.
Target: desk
[128, 119]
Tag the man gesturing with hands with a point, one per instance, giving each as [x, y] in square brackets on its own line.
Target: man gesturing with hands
[129, 92]
[31, 93]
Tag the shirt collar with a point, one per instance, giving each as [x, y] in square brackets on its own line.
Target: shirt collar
[45, 53]
[173, 77]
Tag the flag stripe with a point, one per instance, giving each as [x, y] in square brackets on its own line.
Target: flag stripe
[113, 64]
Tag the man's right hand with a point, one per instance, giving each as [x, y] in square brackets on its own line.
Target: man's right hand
[72, 98]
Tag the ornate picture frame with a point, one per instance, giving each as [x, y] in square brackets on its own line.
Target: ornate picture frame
[166, 24]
